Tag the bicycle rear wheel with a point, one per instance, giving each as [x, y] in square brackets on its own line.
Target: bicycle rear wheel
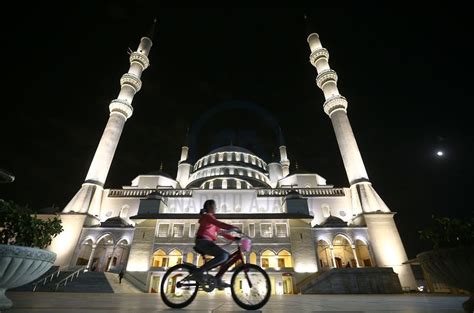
[175, 292]
[250, 287]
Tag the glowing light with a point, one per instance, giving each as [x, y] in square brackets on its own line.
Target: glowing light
[440, 153]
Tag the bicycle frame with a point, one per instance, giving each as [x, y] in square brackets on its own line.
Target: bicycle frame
[234, 258]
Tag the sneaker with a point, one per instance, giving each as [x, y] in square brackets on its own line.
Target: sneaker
[221, 285]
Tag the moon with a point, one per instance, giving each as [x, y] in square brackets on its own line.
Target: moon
[440, 153]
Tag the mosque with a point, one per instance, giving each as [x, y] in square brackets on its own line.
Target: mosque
[308, 235]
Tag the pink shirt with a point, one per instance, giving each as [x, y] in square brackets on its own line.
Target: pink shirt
[209, 226]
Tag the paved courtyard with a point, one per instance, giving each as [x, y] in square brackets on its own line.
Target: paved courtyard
[28, 302]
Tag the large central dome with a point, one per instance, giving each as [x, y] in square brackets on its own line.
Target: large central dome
[231, 149]
[229, 167]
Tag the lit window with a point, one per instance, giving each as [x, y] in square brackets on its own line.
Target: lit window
[246, 158]
[213, 158]
[211, 185]
[224, 184]
[237, 156]
[220, 156]
[231, 171]
[237, 184]
[178, 230]
[163, 230]
[229, 156]
[281, 230]
[252, 230]
[266, 230]
[192, 230]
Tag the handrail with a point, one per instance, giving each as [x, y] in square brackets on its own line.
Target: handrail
[70, 276]
[45, 279]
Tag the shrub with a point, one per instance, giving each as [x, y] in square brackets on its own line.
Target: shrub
[445, 232]
[20, 227]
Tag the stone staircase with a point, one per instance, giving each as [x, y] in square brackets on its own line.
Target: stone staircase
[88, 282]
[365, 280]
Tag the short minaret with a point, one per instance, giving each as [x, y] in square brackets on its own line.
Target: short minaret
[369, 208]
[88, 198]
[285, 163]
[184, 167]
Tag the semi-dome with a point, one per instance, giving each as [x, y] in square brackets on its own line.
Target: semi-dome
[333, 221]
[115, 221]
[234, 166]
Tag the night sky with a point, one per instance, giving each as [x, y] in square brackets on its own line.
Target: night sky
[238, 72]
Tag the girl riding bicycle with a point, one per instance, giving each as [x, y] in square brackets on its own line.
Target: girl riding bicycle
[209, 227]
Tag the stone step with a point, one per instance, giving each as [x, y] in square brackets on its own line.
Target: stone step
[88, 282]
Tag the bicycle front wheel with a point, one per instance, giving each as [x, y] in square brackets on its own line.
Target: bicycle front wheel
[250, 287]
[176, 292]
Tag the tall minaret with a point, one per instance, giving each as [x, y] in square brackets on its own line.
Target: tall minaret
[285, 163]
[184, 167]
[88, 198]
[369, 208]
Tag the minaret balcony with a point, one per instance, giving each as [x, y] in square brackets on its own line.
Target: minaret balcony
[122, 106]
[334, 103]
[319, 54]
[132, 81]
[325, 77]
[137, 57]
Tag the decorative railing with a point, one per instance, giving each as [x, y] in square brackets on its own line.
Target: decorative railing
[306, 192]
[44, 280]
[70, 278]
[142, 193]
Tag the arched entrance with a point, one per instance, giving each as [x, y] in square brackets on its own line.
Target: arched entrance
[343, 253]
[324, 254]
[85, 252]
[363, 254]
[102, 256]
[117, 259]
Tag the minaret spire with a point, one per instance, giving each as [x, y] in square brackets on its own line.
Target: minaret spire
[369, 208]
[88, 198]
[184, 168]
[151, 32]
[285, 163]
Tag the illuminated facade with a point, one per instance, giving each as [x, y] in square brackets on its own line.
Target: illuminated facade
[300, 225]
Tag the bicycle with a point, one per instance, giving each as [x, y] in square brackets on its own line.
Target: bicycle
[250, 285]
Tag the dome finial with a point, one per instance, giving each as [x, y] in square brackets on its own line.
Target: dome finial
[161, 166]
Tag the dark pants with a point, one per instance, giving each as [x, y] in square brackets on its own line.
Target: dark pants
[210, 248]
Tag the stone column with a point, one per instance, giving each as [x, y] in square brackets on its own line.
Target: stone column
[91, 257]
[333, 258]
[111, 259]
[355, 255]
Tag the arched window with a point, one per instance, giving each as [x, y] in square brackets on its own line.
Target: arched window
[253, 258]
[124, 211]
[268, 259]
[284, 259]
[161, 259]
[190, 258]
